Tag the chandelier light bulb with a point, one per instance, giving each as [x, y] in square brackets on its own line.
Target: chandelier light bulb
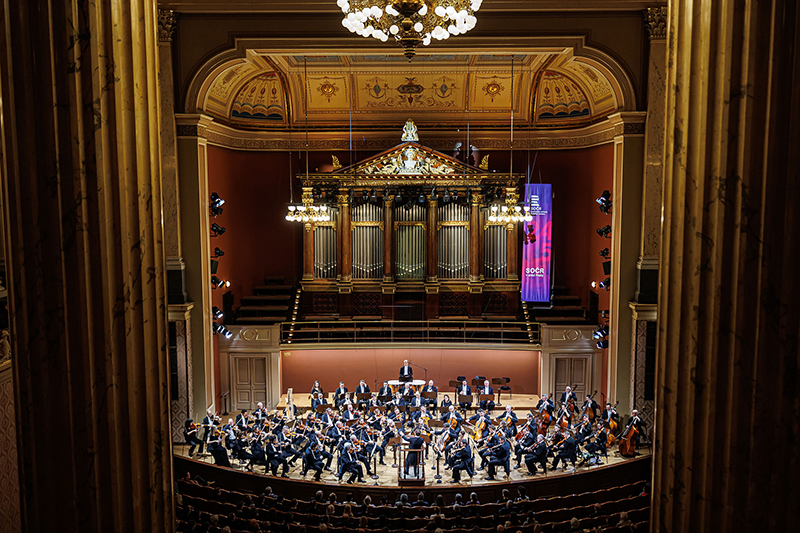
[292, 208]
[393, 29]
[423, 10]
[440, 11]
[418, 27]
[504, 208]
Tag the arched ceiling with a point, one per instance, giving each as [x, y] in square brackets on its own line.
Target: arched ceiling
[546, 89]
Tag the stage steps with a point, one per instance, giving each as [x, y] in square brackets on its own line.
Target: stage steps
[566, 309]
[270, 303]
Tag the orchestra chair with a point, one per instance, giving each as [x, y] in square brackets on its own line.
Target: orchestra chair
[503, 387]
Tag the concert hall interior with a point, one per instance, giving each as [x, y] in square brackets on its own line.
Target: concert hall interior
[251, 250]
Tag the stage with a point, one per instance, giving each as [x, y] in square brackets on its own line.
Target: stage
[521, 403]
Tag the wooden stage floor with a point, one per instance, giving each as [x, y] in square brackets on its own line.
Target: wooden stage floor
[388, 476]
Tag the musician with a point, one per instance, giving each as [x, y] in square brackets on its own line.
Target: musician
[568, 395]
[461, 457]
[486, 452]
[511, 419]
[320, 400]
[583, 430]
[567, 450]
[640, 425]
[374, 402]
[257, 454]
[547, 402]
[564, 412]
[217, 450]
[590, 404]
[430, 402]
[499, 456]
[479, 417]
[537, 454]
[464, 390]
[318, 439]
[528, 440]
[360, 452]
[397, 416]
[398, 399]
[208, 423]
[609, 414]
[275, 457]
[350, 413]
[413, 458]
[190, 434]
[598, 445]
[486, 389]
[362, 388]
[407, 391]
[313, 460]
[452, 419]
[260, 415]
[349, 463]
[340, 394]
[327, 418]
[386, 390]
[446, 403]
[241, 420]
[336, 435]
[406, 372]
[416, 402]
[284, 443]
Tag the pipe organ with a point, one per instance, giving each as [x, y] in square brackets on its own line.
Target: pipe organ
[411, 220]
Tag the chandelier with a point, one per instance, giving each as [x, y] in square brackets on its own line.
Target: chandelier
[510, 214]
[308, 213]
[412, 23]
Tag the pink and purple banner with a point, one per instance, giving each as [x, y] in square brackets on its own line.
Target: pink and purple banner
[537, 236]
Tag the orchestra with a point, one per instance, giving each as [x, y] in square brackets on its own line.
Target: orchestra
[356, 431]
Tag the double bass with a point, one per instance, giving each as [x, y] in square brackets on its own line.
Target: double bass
[586, 410]
[627, 443]
[612, 426]
[544, 413]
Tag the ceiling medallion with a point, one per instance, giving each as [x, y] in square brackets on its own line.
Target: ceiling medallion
[327, 89]
[493, 89]
[412, 23]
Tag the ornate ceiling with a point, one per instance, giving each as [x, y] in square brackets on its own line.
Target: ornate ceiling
[549, 88]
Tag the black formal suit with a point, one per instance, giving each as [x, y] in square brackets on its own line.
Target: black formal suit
[465, 391]
[313, 461]
[385, 391]
[192, 439]
[218, 452]
[349, 415]
[488, 405]
[416, 402]
[339, 399]
[362, 390]
[431, 402]
[609, 415]
[536, 454]
[413, 458]
[207, 423]
[598, 445]
[590, 405]
[565, 398]
[461, 460]
[528, 441]
[275, 459]
[499, 457]
[583, 432]
[241, 421]
[568, 451]
[349, 463]
[406, 372]
[317, 401]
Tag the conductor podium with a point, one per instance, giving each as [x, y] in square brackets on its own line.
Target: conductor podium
[411, 466]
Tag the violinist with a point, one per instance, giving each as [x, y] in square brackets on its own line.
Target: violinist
[327, 418]
[260, 415]
[499, 456]
[386, 390]
[431, 403]
[374, 402]
[359, 449]
[486, 452]
[313, 460]
[320, 400]
[349, 464]
[583, 430]
[598, 444]
[398, 399]
[398, 417]
[510, 417]
[488, 405]
[446, 403]
[461, 459]
[340, 394]
[536, 454]
[362, 388]
[275, 457]
[217, 450]
[465, 390]
[257, 454]
[190, 434]
[590, 407]
[567, 450]
[318, 439]
[526, 438]
[284, 443]
[350, 413]
[336, 435]
[209, 421]
[241, 420]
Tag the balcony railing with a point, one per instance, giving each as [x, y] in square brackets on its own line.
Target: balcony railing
[378, 331]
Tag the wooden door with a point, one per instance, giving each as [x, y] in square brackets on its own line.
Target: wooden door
[573, 371]
[249, 381]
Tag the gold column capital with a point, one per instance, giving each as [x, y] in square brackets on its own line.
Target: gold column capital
[167, 21]
[655, 20]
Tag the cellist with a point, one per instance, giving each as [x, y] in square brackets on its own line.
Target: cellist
[590, 407]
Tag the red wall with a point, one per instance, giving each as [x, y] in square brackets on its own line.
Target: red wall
[299, 368]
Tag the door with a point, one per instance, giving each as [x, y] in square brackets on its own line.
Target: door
[573, 371]
[249, 381]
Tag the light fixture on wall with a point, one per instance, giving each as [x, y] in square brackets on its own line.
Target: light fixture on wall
[605, 202]
[605, 231]
[411, 23]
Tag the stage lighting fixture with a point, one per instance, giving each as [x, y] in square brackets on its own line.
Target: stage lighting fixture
[218, 252]
[594, 284]
[446, 197]
[604, 253]
[421, 197]
[605, 231]
[397, 196]
[215, 200]
[373, 195]
[600, 333]
[365, 194]
[605, 284]
[217, 230]
[217, 283]
[214, 211]
[605, 202]
[217, 313]
[603, 344]
[220, 329]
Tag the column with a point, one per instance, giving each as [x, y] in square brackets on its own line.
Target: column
[345, 238]
[388, 233]
[727, 357]
[308, 238]
[626, 218]
[432, 253]
[475, 230]
[86, 264]
[196, 248]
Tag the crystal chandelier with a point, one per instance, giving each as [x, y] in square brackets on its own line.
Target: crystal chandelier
[510, 214]
[308, 213]
[412, 23]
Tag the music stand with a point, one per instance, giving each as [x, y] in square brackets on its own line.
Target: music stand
[322, 407]
[428, 395]
[496, 383]
[486, 397]
[224, 397]
[465, 398]
[394, 442]
[350, 422]
[363, 397]
[386, 398]
[405, 379]
[455, 384]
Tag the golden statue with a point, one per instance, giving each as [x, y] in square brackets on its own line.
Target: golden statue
[484, 163]
[336, 164]
[410, 131]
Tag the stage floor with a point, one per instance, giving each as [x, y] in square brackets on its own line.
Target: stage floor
[388, 476]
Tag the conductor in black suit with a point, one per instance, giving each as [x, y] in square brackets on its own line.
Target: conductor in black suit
[406, 372]
[414, 458]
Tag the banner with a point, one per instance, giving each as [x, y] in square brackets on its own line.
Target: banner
[537, 236]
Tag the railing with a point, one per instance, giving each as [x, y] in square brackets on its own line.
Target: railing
[377, 331]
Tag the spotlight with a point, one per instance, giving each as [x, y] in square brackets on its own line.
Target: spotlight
[594, 284]
[397, 196]
[218, 252]
[217, 313]
[219, 329]
[421, 197]
[605, 231]
[605, 284]
[214, 211]
[601, 333]
[604, 253]
[217, 283]
[365, 194]
[373, 195]
[215, 200]
[217, 230]
[603, 344]
[446, 197]
[605, 202]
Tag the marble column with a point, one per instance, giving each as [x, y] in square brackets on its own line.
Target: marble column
[475, 230]
[431, 239]
[86, 263]
[346, 238]
[196, 248]
[388, 233]
[176, 286]
[625, 222]
[728, 356]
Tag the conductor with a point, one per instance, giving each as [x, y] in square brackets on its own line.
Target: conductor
[406, 372]
[415, 445]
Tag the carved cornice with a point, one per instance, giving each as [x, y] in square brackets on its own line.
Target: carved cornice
[655, 19]
[192, 125]
[167, 21]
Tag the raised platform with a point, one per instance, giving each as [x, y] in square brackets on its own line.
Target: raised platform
[617, 471]
[521, 403]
